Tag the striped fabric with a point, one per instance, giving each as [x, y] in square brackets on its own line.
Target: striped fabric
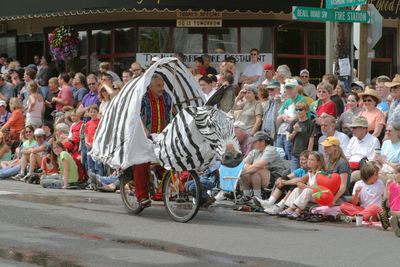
[195, 136]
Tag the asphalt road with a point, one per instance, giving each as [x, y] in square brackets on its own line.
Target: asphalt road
[48, 227]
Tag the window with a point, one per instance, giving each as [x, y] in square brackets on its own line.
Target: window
[290, 41]
[260, 38]
[78, 64]
[124, 40]
[153, 40]
[101, 41]
[193, 40]
[8, 45]
[222, 40]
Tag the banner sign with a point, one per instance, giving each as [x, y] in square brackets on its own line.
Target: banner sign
[242, 60]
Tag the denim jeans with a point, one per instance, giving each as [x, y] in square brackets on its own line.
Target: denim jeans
[106, 180]
[206, 183]
[282, 142]
[8, 172]
[55, 181]
[84, 154]
[95, 166]
[294, 163]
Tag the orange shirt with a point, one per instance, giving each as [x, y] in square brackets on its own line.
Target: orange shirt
[374, 118]
[16, 122]
[90, 130]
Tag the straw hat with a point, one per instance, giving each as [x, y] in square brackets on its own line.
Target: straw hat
[394, 82]
[371, 92]
[359, 121]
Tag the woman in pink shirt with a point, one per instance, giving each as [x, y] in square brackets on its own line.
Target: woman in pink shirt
[375, 117]
[65, 96]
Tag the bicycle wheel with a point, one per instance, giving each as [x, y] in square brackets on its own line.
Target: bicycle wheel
[128, 195]
[182, 205]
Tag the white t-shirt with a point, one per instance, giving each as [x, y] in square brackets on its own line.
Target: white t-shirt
[255, 69]
[370, 193]
[357, 149]
[207, 96]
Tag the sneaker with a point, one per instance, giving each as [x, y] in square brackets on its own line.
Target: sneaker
[220, 196]
[244, 200]
[274, 210]
[208, 202]
[18, 177]
[285, 213]
[25, 178]
[394, 221]
[261, 202]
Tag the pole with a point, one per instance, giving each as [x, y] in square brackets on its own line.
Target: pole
[343, 50]
[363, 51]
[329, 46]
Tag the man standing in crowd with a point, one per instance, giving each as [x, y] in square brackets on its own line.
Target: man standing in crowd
[273, 105]
[153, 122]
[104, 67]
[308, 88]
[268, 73]
[91, 97]
[199, 63]
[205, 83]
[383, 91]
[207, 66]
[394, 111]
[126, 76]
[253, 72]
[3, 58]
[29, 75]
[6, 89]
[136, 70]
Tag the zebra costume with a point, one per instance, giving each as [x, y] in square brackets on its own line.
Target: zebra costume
[188, 142]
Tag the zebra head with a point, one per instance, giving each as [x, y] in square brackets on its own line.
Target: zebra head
[216, 127]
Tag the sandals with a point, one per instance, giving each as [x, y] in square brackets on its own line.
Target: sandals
[316, 218]
[294, 216]
[285, 213]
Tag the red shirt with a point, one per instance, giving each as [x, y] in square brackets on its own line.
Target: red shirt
[66, 95]
[90, 130]
[75, 129]
[328, 108]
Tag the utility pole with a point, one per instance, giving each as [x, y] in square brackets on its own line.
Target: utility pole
[343, 50]
[363, 61]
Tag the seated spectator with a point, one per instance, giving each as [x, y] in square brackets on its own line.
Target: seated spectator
[74, 134]
[243, 137]
[36, 154]
[336, 162]
[301, 133]
[347, 117]
[68, 172]
[49, 166]
[251, 110]
[48, 131]
[36, 106]
[13, 167]
[389, 157]
[27, 147]
[4, 114]
[392, 205]
[325, 104]
[5, 151]
[284, 186]
[16, 122]
[375, 117]
[362, 144]
[302, 194]
[328, 124]
[367, 195]
[262, 164]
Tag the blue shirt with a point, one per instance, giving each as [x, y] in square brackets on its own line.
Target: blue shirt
[383, 106]
[300, 172]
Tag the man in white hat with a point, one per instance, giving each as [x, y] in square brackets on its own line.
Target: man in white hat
[308, 88]
[394, 110]
[362, 144]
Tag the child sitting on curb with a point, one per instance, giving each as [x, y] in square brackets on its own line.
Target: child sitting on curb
[367, 195]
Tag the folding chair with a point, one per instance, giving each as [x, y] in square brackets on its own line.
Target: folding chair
[229, 177]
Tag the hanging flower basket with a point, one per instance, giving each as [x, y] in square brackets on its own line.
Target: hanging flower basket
[63, 42]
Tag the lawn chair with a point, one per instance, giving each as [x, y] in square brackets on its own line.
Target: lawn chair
[229, 177]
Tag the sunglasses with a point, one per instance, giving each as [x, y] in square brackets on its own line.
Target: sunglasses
[299, 109]
[135, 70]
[367, 100]
[388, 131]
[253, 54]
[304, 76]
[28, 132]
[91, 84]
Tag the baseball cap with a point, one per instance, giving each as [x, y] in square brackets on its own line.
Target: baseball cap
[268, 67]
[304, 71]
[273, 84]
[251, 87]
[359, 121]
[331, 141]
[39, 131]
[260, 136]
[359, 84]
[3, 103]
[291, 83]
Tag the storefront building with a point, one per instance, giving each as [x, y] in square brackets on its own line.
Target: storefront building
[119, 30]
